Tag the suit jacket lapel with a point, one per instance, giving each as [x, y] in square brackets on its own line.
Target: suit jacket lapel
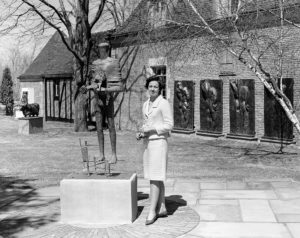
[154, 105]
[147, 108]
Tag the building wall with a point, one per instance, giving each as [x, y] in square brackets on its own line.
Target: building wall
[61, 106]
[197, 60]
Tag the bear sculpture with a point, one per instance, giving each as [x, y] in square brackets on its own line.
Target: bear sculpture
[30, 110]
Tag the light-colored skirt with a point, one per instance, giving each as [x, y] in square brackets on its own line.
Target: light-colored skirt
[155, 159]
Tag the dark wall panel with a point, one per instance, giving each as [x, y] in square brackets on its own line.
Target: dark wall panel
[242, 107]
[183, 105]
[277, 125]
[211, 105]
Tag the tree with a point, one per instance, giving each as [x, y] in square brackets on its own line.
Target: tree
[19, 62]
[74, 21]
[236, 26]
[6, 91]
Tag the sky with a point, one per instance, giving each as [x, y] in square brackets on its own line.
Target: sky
[7, 43]
[26, 44]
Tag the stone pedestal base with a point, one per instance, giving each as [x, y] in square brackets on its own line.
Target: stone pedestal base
[30, 125]
[99, 200]
[19, 114]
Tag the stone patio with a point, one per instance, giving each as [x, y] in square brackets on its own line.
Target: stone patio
[197, 208]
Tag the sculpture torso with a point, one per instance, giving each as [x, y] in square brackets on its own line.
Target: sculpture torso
[111, 68]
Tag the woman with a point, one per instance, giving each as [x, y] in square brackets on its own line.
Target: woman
[158, 122]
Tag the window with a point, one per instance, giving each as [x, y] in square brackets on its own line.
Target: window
[114, 53]
[226, 64]
[161, 71]
[157, 13]
[56, 89]
[24, 99]
[234, 6]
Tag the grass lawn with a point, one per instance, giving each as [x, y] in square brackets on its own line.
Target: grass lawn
[44, 159]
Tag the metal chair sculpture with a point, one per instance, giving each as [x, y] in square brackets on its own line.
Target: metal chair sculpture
[87, 163]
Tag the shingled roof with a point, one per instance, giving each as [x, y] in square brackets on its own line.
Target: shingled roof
[181, 12]
[54, 59]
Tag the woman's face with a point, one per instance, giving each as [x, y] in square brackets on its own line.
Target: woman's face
[153, 89]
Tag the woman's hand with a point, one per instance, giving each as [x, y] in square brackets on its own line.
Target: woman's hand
[139, 135]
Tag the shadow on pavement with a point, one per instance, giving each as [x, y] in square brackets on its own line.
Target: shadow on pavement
[21, 208]
[173, 202]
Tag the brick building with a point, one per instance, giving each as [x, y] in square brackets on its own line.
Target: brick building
[212, 93]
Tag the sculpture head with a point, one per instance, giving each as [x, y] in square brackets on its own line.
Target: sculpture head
[104, 50]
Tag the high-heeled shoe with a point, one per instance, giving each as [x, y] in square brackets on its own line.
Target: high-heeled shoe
[162, 214]
[151, 221]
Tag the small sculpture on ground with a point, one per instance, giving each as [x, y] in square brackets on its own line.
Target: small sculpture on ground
[87, 163]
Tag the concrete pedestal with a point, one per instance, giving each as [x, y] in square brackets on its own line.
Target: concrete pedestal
[19, 114]
[30, 125]
[98, 199]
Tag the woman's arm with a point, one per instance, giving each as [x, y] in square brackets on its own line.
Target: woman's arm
[168, 121]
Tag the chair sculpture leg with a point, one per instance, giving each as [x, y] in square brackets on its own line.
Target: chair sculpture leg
[95, 164]
[107, 169]
[85, 157]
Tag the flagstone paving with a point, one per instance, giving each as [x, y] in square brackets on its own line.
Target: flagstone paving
[206, 209]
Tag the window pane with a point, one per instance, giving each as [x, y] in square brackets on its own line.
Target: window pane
[161, 71]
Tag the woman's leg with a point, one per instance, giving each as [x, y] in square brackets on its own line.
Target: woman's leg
[154, 196]
[161, 205]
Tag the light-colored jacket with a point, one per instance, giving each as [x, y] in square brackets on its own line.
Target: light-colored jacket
[158, 116]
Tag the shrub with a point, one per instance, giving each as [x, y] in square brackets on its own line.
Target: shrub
[6, 91]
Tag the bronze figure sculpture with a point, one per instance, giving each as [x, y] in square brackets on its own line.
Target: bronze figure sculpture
[106, 80]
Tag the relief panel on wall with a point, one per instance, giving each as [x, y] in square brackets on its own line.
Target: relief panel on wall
[183, 105]
[211, 106]
[242, 107]
[277, 125]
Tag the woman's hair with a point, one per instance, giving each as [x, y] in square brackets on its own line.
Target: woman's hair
[154, 78]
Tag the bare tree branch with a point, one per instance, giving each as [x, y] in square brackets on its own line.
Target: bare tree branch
[99, 13]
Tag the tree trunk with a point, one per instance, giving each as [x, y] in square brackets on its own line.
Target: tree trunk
[80, 100]
[80, 118]
[82, 45]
